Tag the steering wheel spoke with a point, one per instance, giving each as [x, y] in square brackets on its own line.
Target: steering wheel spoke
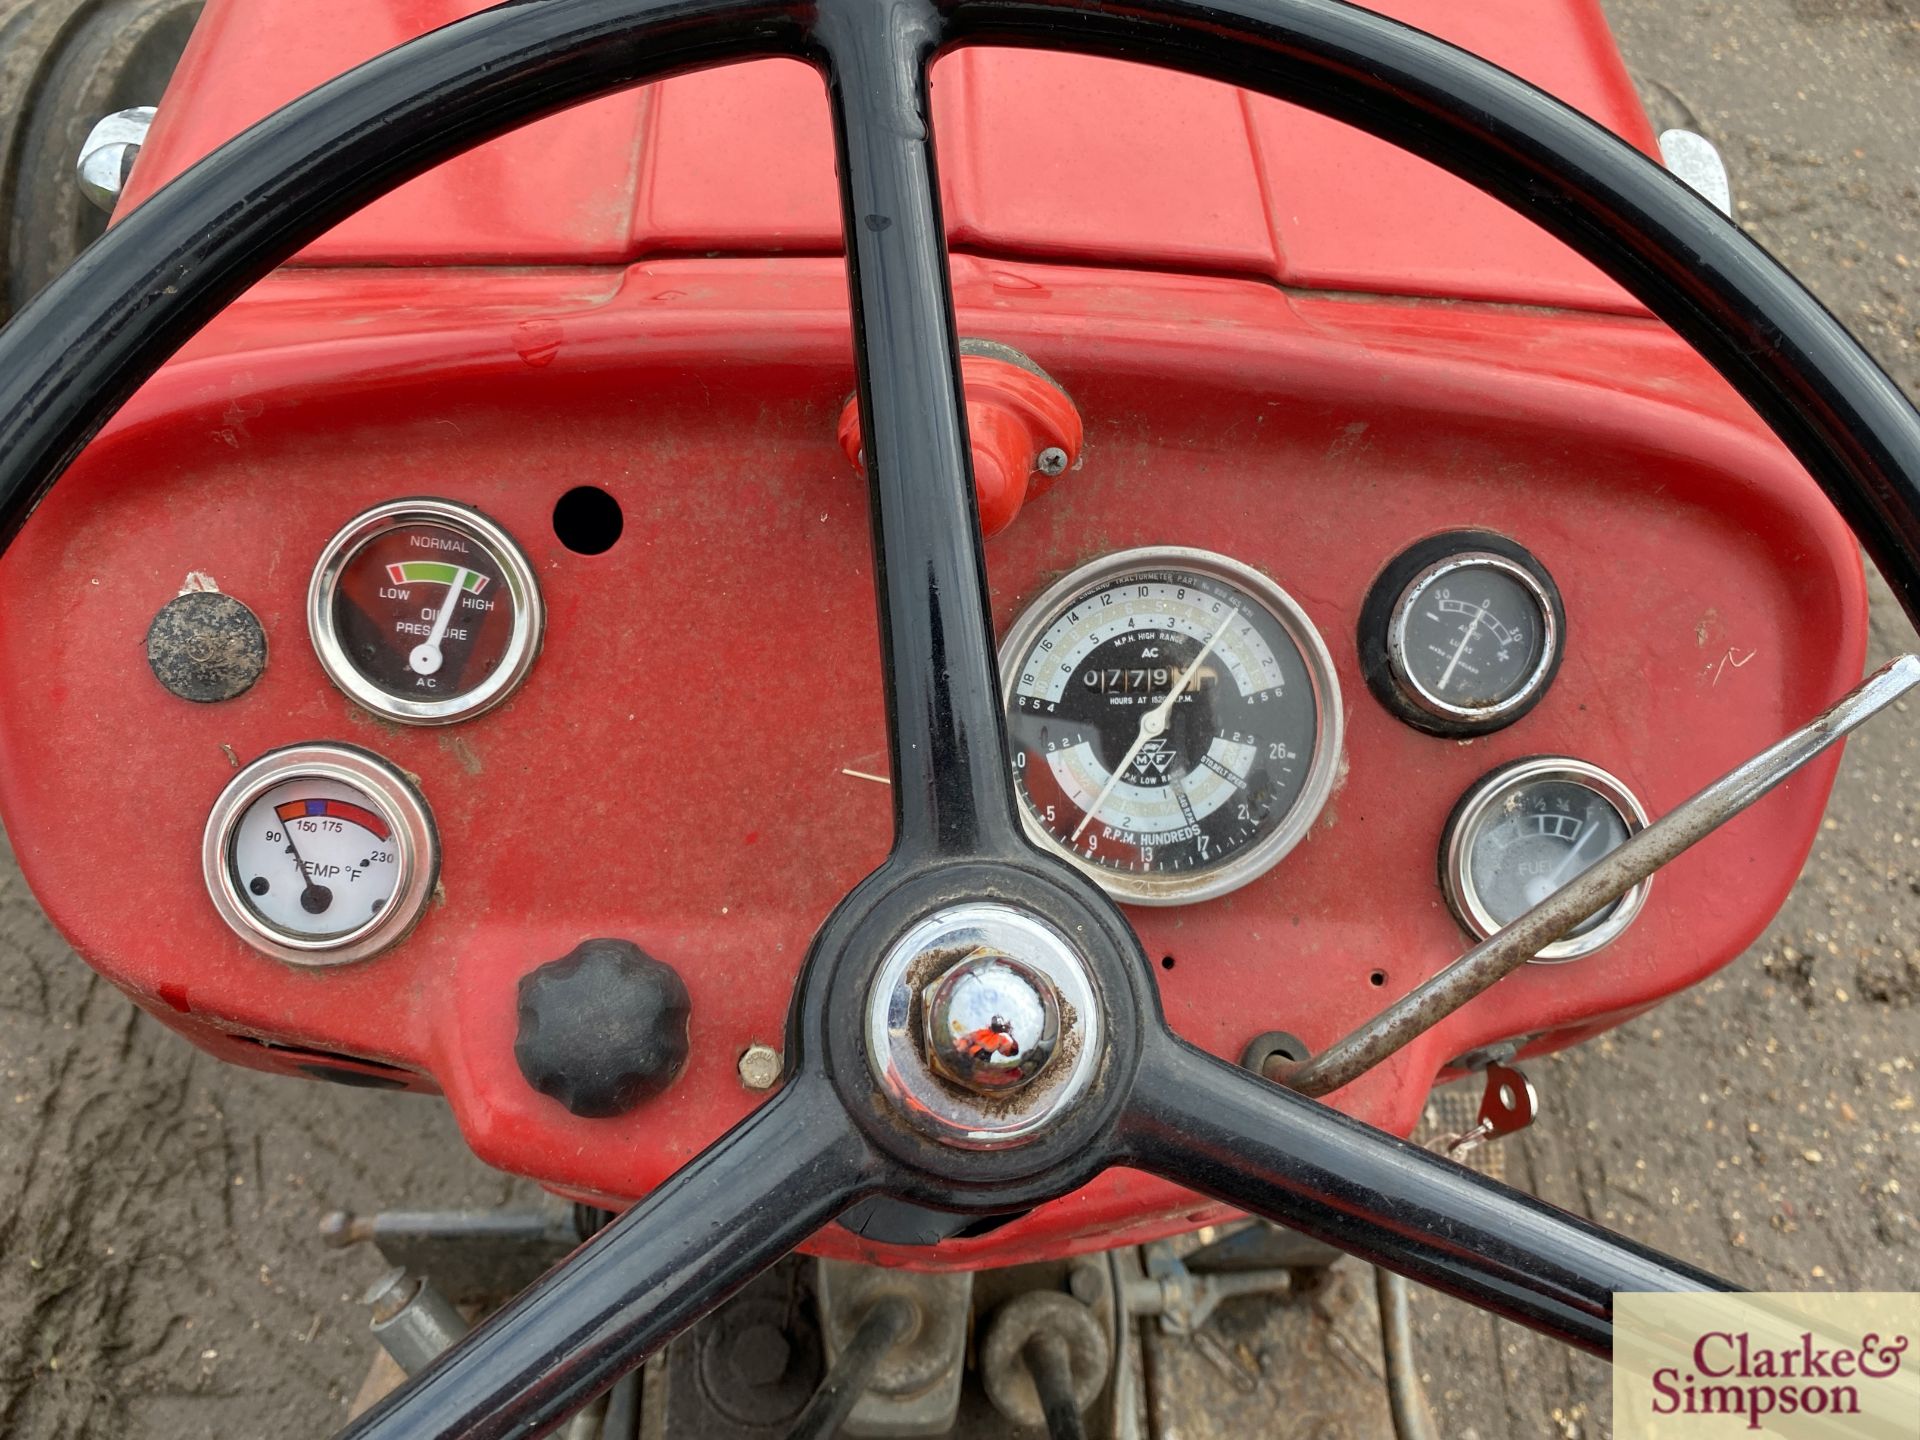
[745, 1201]
[952, 793]
[1225, 1132]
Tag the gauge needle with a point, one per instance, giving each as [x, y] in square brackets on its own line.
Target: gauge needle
[314, 898]
[1461, 648]
[425, 658]
[1553, 880]
[1151, 724]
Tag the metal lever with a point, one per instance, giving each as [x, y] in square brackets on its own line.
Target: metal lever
[1605, 881]
[1185, 1300]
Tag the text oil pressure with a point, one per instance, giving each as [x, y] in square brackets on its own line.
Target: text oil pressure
[424, 611]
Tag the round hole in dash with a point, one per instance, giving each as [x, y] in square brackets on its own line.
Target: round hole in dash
[1377, 979]
[1166, 962]
[588, 521]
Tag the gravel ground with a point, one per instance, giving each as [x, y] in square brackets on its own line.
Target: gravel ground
[156, 1209]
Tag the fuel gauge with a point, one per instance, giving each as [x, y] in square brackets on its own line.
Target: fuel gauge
[1529, 828]
[425, 611]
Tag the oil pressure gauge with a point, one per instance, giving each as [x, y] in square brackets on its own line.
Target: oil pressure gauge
[1527, 829]
[1175, 722]
[425, 611]
[320, 854]
[1462, 634]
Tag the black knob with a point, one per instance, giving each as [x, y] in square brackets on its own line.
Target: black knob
[602, 1028]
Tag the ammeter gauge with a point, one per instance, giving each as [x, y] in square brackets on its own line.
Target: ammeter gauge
[1175, 722]
[1527, 829]
[425, 611]
[1462, 634]
[320, 854]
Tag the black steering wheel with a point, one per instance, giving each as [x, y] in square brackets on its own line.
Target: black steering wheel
[859, 1113]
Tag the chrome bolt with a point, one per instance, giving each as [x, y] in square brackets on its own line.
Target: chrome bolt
[1051, 461]
[968, 1006]
[1696, 160]
[106, 159]
[760, 1067]
[992, 1024]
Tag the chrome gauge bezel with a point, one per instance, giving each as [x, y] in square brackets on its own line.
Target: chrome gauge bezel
[1381, 637]
[523, 641]
[415, 838]
[1478, 805]
[1263, 854]
[1405, 674]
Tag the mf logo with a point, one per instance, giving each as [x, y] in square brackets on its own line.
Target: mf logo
[1154, 757]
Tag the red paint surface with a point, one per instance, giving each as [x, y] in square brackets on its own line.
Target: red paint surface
[672, 772]
[1040, 155]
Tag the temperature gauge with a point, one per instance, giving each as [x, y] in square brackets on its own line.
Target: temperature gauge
[1527, 829]
[1461, 635]
[320, 854]
[425, 611]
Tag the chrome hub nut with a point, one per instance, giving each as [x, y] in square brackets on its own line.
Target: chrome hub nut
[984, 1026]
[992, 1023]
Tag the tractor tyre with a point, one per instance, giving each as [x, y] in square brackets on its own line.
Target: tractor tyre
[63, 65]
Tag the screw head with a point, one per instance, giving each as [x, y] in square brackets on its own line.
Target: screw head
[1051, 461]
[760, 1067]
[992, 1023]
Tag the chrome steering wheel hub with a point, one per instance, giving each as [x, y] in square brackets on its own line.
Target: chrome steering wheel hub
[983, 1025]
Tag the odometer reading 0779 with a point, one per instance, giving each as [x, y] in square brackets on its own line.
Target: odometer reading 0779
[1175, 722]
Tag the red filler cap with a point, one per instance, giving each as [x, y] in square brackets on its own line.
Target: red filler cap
[1025, 430]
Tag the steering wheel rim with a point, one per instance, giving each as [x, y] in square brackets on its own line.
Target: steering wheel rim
[828, 1138]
